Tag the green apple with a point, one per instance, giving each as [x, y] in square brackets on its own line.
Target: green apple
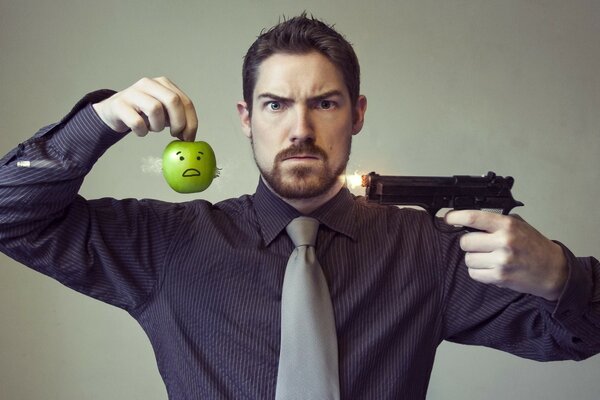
[189, 167]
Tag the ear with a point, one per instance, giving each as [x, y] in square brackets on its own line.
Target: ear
[359, 114]
[242, 109]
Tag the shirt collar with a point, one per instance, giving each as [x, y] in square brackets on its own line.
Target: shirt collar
[274, 214]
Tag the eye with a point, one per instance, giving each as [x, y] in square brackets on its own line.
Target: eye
[181, 158]
[326, 104]
[274, 105]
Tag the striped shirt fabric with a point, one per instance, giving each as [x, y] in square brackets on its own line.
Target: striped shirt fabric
[204, 280]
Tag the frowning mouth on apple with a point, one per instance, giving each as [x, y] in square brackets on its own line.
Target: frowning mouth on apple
[190, 172]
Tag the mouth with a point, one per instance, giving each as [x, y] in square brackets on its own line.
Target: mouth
[190, 172]
[301, 157]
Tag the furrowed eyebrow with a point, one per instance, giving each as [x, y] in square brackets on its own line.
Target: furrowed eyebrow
[323, 96]
[274, 97]
[282, 99]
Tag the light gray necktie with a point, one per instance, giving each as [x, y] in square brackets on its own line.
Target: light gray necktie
[308, 360]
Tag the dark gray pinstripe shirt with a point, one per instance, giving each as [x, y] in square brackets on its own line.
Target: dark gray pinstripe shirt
[204, 281]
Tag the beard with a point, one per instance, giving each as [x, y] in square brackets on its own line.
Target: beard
[301, 182]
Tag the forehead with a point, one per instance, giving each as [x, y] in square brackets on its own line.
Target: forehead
[298, 75]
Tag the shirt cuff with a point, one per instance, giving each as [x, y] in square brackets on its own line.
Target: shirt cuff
[575, 297]
[82, 136]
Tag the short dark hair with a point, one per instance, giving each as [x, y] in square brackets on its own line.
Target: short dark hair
[300, 35]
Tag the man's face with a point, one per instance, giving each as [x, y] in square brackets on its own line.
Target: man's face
[301, 125]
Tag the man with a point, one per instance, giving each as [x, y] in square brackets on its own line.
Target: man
[205, 281]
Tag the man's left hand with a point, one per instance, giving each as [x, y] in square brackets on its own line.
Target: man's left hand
[510, 253]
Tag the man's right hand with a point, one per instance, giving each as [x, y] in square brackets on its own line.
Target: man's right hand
[150, 105]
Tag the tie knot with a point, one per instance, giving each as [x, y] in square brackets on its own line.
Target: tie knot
[303, 231]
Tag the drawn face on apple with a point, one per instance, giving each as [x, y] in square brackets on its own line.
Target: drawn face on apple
[189, 167]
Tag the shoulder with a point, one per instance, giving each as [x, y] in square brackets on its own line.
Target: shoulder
[369, 213]
[232, 211]
[409, 225]
[410, 233]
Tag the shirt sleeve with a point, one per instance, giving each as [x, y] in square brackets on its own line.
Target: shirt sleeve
[522, 324]
[112, 250]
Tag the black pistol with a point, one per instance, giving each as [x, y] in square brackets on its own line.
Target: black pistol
[459, 192]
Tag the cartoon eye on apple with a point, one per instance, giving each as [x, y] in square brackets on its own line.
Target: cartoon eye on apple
[189, 167]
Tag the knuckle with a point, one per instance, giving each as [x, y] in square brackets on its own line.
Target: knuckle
[118, 102]
[138, 126]
[143, 81]
[510, 243]
[511, 224]
[189, 132]
[140, 132]
[187, 103]
[156, 109]
[173, 100]
[505, 258]
[502, 277]
[506, 235]
[503, 239]
[471, 218]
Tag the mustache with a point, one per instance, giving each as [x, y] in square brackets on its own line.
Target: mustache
[304, 148]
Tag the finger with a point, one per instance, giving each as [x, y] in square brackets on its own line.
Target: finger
[152, 110]
[186, 130]
[498, 259]
[170, 100]
[481, 220]
[481, 242]
[189, 133]
[487, 276]
[131, 118]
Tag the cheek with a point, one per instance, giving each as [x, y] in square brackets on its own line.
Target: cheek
[338, 141]
[267, 139]
[263, 151]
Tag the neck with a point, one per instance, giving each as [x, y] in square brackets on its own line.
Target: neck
[309, 204]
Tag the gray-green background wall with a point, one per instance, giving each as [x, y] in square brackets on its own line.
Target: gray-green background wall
[454, 87]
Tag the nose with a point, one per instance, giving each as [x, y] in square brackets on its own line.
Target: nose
[303, 128]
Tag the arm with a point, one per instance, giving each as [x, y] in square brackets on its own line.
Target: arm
[107, 249]
[521, 292]
[506, 251]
